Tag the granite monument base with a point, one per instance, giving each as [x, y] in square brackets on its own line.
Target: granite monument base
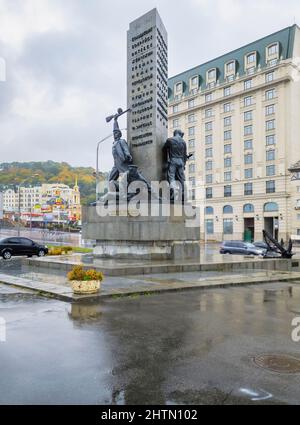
[124, 234]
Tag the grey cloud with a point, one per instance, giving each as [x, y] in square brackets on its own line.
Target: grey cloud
[89, 58]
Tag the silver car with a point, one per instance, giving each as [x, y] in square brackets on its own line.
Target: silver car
[241, 248]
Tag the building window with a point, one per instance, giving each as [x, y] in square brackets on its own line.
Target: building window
[248, 116]
[227, 91]
[192, 168]
[195, 81]
[191, 118]
[191, 103]
[191, 131]
[227, 162]
[192, 144]
[270, 170]
[248, 173]
[208, 178]
[175, 109]
[212, 75]
[270, 155]
[270, 186]
[209, 211]
[227, 191]
[248, 144]
[208, 97]
[228, 209]
[251, 58]
[208, 153]
[209, 227]
[270, 140]
[227, 176]
[248, 209]
[247, 84]
[175, 123]
[227, 121]
[192, 181]
[230, 68]
[269, 77]
[208, 165]
[178, 88]
[208, 139]
[208, 113]
[251, 70]
[208, 126]
[248, 130]
[209, 193]
[227, 107]
[270, 94]
[248, 158]
[273, 50]
[271, 207]
[227, 149]
[248, 101]
[227, 135]
[228, 226]
[248, 189]
[270, 110]
[270, 125]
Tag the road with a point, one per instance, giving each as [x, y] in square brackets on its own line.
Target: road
[45, 236]
[194, 347]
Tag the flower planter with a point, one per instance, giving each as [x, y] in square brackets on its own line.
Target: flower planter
[83, 287]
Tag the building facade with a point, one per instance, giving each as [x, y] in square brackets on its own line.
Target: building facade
[241, 118]
[35, 202]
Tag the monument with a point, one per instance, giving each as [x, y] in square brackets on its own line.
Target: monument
[168, 231]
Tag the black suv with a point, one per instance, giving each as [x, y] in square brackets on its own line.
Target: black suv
[21, 246]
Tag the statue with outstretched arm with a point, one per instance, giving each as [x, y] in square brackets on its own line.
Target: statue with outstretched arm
[120, 152]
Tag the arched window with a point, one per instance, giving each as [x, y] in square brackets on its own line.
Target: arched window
[228, 209]
[209, 211]
[248, 208]
[271, 207]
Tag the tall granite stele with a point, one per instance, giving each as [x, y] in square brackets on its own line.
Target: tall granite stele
[147, 92]
[121, 235]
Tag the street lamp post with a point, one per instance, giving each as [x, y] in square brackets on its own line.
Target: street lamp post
[19, 201]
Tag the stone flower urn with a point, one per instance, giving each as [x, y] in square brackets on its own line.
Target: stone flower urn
[85, 282]
[82, 287]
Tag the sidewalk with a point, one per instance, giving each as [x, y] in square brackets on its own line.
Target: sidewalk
[56, 286]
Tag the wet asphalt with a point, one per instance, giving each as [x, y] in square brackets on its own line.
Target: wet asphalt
[194, 347]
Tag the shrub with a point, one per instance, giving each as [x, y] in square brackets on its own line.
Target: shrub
[55, 251]
[77, 273]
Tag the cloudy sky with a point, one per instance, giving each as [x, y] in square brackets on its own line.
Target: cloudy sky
[66, 64]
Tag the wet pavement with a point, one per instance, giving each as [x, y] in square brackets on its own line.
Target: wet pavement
[195, 347]
[53, 282]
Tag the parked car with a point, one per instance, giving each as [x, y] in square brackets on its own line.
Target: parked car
[21, 246]
[261, 245]
[240, 248]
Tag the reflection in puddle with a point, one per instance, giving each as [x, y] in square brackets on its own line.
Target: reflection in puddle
[85, 312]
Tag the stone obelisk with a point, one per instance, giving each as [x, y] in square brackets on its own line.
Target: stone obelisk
[147, 92]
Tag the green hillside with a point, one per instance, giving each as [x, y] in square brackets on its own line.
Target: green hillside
[50, 172]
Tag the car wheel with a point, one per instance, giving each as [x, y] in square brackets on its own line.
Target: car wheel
[41, 253]
[6, 255]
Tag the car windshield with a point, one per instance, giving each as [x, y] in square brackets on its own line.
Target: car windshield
[250, 245]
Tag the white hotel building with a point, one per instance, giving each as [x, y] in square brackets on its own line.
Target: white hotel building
[241, 117]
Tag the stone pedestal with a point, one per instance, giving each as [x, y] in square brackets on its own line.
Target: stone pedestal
[154, 238]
